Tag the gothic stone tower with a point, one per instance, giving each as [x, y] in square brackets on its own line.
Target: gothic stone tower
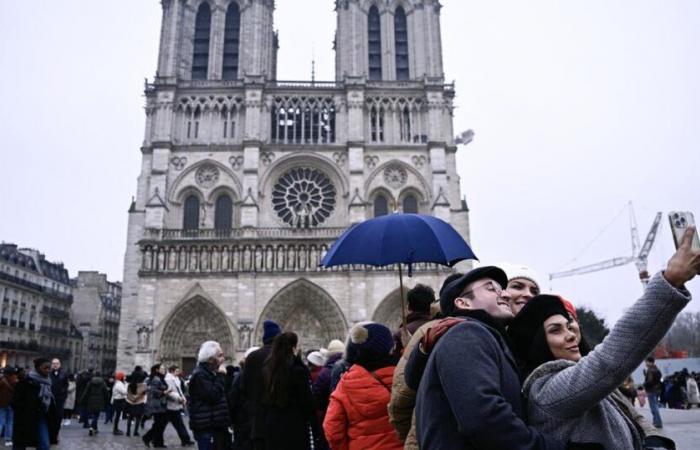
[246, 180]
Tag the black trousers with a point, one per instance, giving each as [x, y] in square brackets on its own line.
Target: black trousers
[118, 407]
[175, 418]
[155, 434]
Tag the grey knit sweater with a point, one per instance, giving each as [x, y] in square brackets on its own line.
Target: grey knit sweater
[573, 401]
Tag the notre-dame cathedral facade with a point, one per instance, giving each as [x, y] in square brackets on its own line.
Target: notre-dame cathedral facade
[246, 180]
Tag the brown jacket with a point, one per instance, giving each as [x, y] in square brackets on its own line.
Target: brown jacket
[403, 398]
[6, 390]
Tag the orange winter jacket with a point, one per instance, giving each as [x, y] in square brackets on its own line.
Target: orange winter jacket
[357, 416]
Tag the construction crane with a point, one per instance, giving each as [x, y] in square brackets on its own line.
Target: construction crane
[639, 255]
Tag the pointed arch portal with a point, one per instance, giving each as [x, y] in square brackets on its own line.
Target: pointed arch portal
[192, 323]
[307, 310]
[388, 311]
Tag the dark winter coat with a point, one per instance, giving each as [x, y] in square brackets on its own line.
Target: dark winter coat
[95, 396]
[207, 407]
[59, 386]
[80, 384]
[156, 400]
[469, 396]
[239, 411]
[322, 386]
[253, 387]
[287, 427]
[652, 380]
[28, 409]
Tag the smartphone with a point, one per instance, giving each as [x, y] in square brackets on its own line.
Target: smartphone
[680, 221]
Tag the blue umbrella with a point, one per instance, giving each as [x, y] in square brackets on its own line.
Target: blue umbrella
[399, 239]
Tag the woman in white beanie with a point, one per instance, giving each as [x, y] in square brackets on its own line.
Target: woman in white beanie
[522, 285]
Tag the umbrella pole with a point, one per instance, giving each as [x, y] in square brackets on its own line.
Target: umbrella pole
[404, 331]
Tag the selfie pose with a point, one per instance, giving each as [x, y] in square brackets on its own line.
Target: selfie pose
[572, 395]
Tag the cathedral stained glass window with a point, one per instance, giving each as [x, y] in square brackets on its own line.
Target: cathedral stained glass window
[303, 197]
[200, 53]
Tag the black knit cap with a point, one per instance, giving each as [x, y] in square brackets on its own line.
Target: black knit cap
[449, 293]
[527, 328]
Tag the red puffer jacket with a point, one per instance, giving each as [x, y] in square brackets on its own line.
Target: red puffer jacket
[357, 417]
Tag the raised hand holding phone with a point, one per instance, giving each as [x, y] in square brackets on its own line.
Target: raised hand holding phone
[685, 263]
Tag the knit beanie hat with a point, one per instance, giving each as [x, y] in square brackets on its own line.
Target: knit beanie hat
[270, 330]
[526, 331]
[369, 341]
[119, 376]
[335, 346]
[515, 271]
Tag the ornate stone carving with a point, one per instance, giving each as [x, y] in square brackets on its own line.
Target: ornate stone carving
[178, 162]
[418, 161]
[236, 162]
[267, 157]
[244, 334]
[395, 176]
[303, 197]
[340, 158]
[207, 176]
[143, 339]
[371, 161]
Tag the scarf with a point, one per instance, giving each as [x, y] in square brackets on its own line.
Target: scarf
[45, 394]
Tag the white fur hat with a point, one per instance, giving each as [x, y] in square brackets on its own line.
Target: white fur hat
[335, 346]
[316, 358]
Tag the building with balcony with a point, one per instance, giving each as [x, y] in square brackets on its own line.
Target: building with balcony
[96, 312]
[246, 180]
[35, 318]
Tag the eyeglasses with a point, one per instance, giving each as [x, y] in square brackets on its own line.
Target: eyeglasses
[490, 286]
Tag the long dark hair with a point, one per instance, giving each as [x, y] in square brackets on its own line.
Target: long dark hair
[277, 368]
[155, 371]
[136, 377]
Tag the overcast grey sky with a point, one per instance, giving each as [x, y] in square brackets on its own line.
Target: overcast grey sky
[578, 107]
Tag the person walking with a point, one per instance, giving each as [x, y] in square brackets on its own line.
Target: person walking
[119, 391]
[69, 405]
[81, 383]
[176, 403]
[156, 403]
[94, 399]
[572, 395]
[109, 408]
[34, 408]
[208, 410]
[653, 387]
[693, 393]
[252, 382]
[357, 416]
[59, 387]
[135, 400]
[288, 405]
[7, 388]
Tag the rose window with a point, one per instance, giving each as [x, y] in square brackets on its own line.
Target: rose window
[207, 175]
[303, 197]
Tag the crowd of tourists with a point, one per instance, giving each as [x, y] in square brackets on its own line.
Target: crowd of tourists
[487, 363]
